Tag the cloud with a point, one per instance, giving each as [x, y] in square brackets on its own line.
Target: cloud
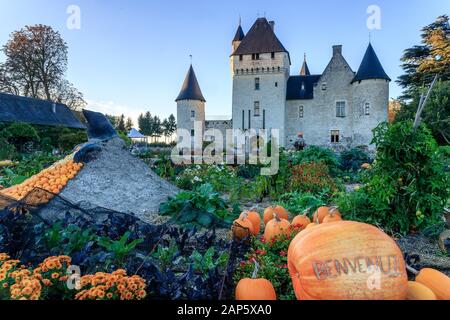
[112, 108]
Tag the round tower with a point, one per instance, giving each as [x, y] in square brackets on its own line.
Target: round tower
[191, 105]
[371, 97]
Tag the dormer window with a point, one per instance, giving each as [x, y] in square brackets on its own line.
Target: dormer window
[303, 86]
[272, 55]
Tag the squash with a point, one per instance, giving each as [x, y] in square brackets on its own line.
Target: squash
[279, 210]
[320, 214]
[255, 219]
[255, 289]
[242, 228]
[336, 260]
[301, 222]
[332, 216]
[438, 282]
[417, 291]
[277, 227]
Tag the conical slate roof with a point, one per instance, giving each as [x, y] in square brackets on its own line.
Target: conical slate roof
[239, 34]
[260, 39]
[305, 70]
[190, 89]
[370, 67]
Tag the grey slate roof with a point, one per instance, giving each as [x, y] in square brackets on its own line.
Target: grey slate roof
[260, 39]
[34, 111]
[239, 34]
[294, 87]
[370, 67]
[190, 89]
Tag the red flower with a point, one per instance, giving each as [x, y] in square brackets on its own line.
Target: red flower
[262, 252]
[263, 240]
[283, 253]
[243, 263]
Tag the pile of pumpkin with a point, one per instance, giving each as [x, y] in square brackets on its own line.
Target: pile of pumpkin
[332, 259]
[52, 180]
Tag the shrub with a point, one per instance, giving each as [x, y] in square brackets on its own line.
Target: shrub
[317, 154]
[312, 177]
[7, 151]
[69, 139]
[407, 186]
[351, 160]
[19, 135]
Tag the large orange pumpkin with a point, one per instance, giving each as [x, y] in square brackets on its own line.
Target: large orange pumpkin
[277, 227]
[301, 221]
[242, 228]
[417, 291]
[334, 261]
[278, 210]
[438, 282]
[255, 219]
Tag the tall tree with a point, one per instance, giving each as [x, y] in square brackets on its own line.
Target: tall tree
[422, 62]
[36, 61]
[157, 128]
[121, 123]
[165, 129]
[129, 124]
[172, 124]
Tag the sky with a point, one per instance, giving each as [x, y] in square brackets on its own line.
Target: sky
[132, 56]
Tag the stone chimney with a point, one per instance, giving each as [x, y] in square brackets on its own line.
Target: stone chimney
[337, 50]
[272, 25]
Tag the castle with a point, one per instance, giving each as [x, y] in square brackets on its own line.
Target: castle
[338, 108]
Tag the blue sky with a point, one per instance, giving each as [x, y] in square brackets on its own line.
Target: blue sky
[132, 56]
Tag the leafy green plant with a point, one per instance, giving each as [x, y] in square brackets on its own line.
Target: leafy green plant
[7, 150]
[297, 202]
[119, 248]
[208, 261]
[166, 254]
[202, 207]
[19, 134]
[351, 160]
[53, 235]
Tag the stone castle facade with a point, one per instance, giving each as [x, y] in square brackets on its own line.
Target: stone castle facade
[338, 108]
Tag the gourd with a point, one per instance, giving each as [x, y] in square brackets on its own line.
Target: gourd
[276, 228]
[335, 261]
[418, 291]
[255, 289]
[301, 221]
[242, 228]
[279, 210]
[435, 280]
[255, 219]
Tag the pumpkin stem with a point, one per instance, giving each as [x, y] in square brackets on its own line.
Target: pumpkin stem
[306, 211]
[332, 209]
[412, 270]
[255, 271]
[244, 215]
[276, 217]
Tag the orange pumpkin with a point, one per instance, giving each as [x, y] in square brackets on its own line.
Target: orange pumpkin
[301, 222]
[322, 212]
[438, 282]
[255, 219]
[417, 291]
[242, 228]
[277, 227]
[255, 289]
[333, 216]
[335, 260]
[278, 210]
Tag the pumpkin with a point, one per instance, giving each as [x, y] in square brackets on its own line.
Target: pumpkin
[242, 228]
[335, 260]
[279, 210]
[255, 289]
[311, 225]
[322, 212]
[417, 291]
[52, 179]
[255, 219]
[277, 227]
[333, 216]
[438, 282]
[301, 222]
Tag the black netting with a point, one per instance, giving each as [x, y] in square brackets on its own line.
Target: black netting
[44, 224]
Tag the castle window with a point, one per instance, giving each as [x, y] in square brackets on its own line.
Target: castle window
[241, 57]
[272, 55]
[257, 84]
[303, 86]
[300, 112]
[255, 56]
[278, 69]
[324, 86]
[256, 109]
[340, 109]
[192, 114]
[334, 136]
[192, 132]
[276, 84]
[367, 108]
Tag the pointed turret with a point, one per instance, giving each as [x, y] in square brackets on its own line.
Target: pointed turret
[305, 70]
[238, 37]
[370, 67]
[190, 89]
